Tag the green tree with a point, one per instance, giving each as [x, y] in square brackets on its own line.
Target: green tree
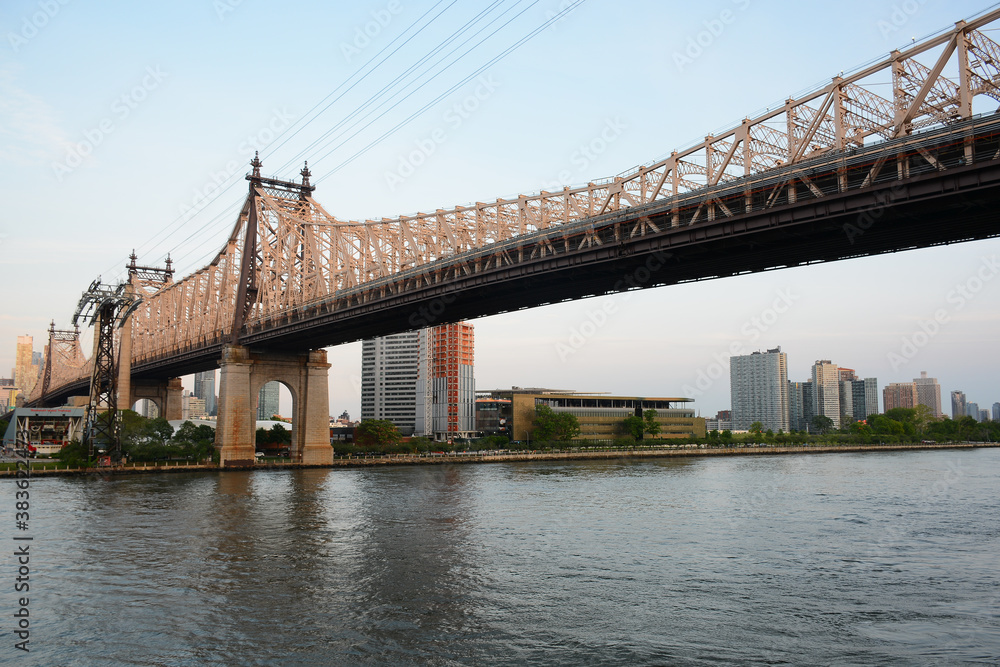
[902, 415]
[193, 442]
[968, 428]
[134, 428]
[944, 430]
[492, 442]
[280, 435]
[756, 428]
[376, 433]
[923, 417]
[160, 429]
[634, 426]
[822, 424]
[652, 426]
[421, 444]
[550, 425]
[74, 455]
[276, 436]
[884, 425]
[860, 429]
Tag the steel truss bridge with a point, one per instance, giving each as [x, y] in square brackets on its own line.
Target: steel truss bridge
[844, 171]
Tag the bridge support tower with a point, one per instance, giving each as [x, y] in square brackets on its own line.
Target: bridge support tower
[241, 377]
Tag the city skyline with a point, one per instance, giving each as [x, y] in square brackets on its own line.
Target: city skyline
[888, 317]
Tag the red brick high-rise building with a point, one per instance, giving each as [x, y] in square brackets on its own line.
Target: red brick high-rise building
[899, 395]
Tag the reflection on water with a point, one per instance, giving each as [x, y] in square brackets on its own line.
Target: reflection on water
[852, 558]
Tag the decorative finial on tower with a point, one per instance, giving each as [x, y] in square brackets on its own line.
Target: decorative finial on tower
[305, 173]
[256, 164]
[170, 270]
[131, 264]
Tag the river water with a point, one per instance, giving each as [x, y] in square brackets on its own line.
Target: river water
[844, 559]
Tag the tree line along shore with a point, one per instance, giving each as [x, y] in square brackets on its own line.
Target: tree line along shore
[153, 443]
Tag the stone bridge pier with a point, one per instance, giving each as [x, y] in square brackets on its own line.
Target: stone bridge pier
[166, 394]
[243, 373]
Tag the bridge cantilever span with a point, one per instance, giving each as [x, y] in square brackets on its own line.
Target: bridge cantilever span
[840, 172]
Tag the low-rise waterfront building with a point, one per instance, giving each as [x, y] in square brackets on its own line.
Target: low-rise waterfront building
[494, 416]
[723, 421]
[600, 415]
[47, 430]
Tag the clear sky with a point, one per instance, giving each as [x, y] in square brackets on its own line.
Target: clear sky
[130, 125]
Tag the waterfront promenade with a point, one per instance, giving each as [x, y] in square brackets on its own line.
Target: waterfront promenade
[503, 456]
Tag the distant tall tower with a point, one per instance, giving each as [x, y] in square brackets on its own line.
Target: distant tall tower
[268, 401]
[758, 390]
[800, 405]
[858, 398]
[451, 350]
[870, 388]
[27, 365]
[957, 405]
[846, 398]
[996, 412]
[204, 388]
[148, 409]
[389, 370]
[826, 385]
[929, 393]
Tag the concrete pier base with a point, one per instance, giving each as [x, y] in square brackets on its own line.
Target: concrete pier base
[243, 373]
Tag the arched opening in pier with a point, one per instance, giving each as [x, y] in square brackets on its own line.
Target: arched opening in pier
[148, 408]
[275, 418]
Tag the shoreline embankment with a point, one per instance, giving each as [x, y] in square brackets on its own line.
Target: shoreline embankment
[488, 456]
